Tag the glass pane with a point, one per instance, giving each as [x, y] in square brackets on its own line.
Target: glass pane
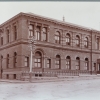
[35, 64]
[44, 37]
[35, 60]
[25, 63]
[30, 27]
[39, 60]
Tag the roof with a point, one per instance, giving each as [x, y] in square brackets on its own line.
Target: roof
[50, 20]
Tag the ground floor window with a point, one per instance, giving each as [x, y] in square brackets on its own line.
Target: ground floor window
[57, 62]
[68, 62]
[77, 63]
[48, 63]
[38, 59]
[86, 64]
[26, 61]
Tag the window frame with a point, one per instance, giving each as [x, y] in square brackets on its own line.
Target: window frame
[68, 62]
[77, 41]
[15, 59]
[31, 30]
[44, 34]
[58, 62]
[38, 60]
[48, 63]
[86, 42]
[68, 39]
[7, 61]
[77, 63]
[38, 33]
[57, 37]
[15, 32]
[26, 61]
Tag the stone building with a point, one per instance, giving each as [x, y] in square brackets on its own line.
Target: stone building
[60, 46]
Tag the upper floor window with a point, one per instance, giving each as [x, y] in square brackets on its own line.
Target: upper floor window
[77, 40]
[86, 42]
[68, 39]
[7, 60]
[57, 37]
[86, 64]
[98, 43]
[38, 33]
[38, 59]
[68, 62]
[8, 35]
[77, 63]
[1, 40]
[57, 62]
[44, 34]
[15, 59]
[15, 32]
[31, 30]
[26, 61]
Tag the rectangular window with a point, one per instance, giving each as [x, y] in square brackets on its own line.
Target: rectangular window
[7, 62]
[98, 43]
[1, 40]
[44, 34]
[7, 36]
[38, 32]
[31, 30]
[15, 33]
[48, 63]
[26, 61]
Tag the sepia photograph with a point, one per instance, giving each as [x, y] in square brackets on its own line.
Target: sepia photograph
[49, 50]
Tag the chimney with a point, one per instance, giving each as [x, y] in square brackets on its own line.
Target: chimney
[63, 19]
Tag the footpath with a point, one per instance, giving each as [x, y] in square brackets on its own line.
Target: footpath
[53, 79]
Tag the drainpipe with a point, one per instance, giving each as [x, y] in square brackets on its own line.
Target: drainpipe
[91, 52]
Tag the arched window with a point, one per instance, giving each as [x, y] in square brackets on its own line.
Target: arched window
[7, 60]
[31, 30]
[86, 42]
[86, 64]
[57, 37]
[68, 62]
[38, 59]
[15, 59]
[77, 63]
[44, 34]
[77, 40]
[57, 62]
[68, 39]
[38, 32]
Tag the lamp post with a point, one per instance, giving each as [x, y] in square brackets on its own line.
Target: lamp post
[32, 47]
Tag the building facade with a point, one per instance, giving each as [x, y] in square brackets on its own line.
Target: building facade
[59, 46]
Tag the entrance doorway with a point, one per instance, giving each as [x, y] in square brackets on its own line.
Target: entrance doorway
[14, 76]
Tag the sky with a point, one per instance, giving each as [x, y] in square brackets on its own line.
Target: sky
[81, 13]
